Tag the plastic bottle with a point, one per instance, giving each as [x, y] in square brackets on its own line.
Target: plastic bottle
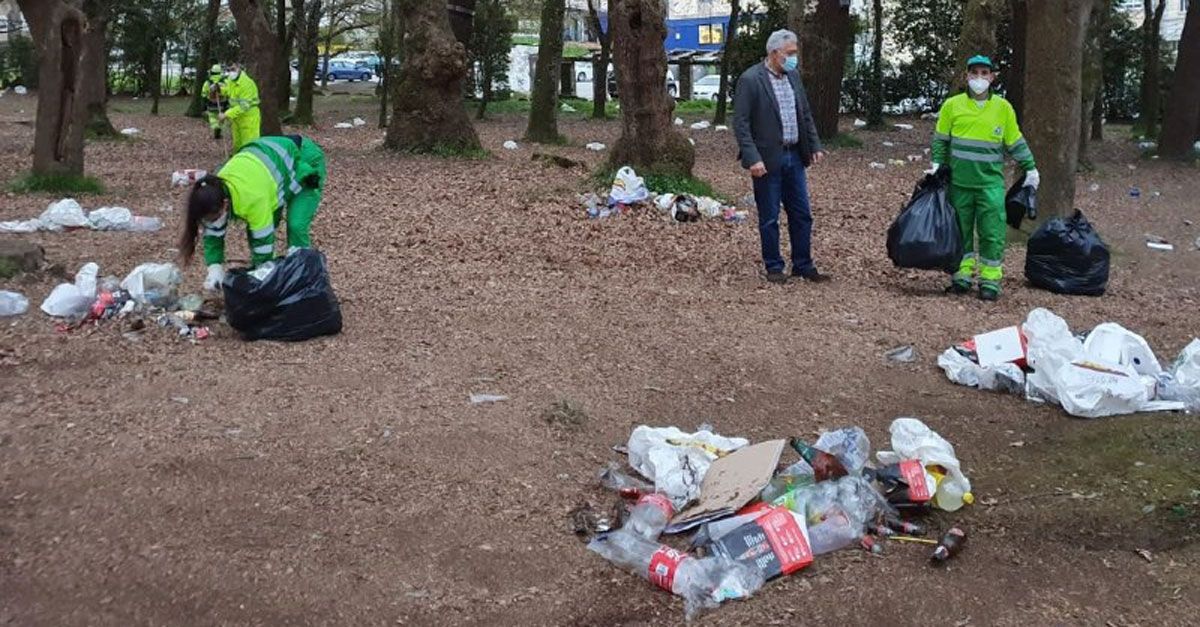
[650, 515]
[951, 544]
[12, 304]
[701, 582]
[824, 465]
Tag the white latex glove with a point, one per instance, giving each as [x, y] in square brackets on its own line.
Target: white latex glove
[1033, 179]
[934, 169]
[216, 274]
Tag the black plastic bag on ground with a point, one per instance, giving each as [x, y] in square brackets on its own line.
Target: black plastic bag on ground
[1020, 202]
[1067, 256]
[294, 302]
[926, 235]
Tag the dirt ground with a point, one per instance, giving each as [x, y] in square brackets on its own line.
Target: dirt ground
[348, 480]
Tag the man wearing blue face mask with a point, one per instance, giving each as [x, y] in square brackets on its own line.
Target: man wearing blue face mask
[777, 140]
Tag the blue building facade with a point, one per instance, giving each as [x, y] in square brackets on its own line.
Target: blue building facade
[699, 33]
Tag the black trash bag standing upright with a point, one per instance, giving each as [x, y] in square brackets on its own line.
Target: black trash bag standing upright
[1020, 202]
[926, 235]
[1067, 256]
[294, 302]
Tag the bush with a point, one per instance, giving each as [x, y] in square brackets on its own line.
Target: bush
[20, 65]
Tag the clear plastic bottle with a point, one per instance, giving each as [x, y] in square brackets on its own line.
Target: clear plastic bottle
[650, 515]
[701, 582]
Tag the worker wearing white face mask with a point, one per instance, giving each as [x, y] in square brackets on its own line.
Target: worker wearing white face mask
[974, 132]
[242, 94]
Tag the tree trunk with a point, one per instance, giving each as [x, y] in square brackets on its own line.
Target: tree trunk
[1092, 76]
[978, 36]
[58, 33]
[308, 29]
[735, 10]
[205, 60]
[649, 141]
[95, 70]
[600, 64]
[261, 47]
[543, 110]
[1053, 96]
[428, 113]
[1181, 126]
[325, 58]
[156, 77]
[286, 36]
[1151, 72]
[1098, 114]
[797, 11]
[462, 20]
[875, 108]
[1014, 75]
[388, 38]
[824, 63]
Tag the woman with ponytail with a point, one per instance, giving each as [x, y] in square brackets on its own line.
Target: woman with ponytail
[269, 180]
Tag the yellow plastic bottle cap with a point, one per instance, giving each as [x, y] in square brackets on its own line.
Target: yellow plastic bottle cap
[969, 498]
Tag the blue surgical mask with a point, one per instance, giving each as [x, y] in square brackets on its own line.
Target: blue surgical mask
[791, 63]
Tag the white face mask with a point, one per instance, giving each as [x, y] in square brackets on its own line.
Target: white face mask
[231, 74]
[979, 86]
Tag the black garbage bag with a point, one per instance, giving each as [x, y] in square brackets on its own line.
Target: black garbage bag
[294, 302]
[1020, 202]
[926, 235]
[1067, 256]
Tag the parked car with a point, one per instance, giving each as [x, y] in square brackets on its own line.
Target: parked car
[706, 88]
[345, 70]
[672, 86]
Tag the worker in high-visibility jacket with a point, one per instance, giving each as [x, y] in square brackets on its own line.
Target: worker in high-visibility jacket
[975, 130]
[218, 102]
[243, 114]
[271, 180]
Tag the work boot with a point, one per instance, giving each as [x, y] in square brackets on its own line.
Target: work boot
[989, 294]
[813, 276]
[778, 278]
[958, 287]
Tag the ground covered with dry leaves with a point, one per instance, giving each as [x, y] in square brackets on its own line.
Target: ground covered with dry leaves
[348, 480]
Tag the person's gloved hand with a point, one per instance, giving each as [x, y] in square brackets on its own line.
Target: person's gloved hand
[216, 274]
[1033, 179]
[934, 169]
[312, 181]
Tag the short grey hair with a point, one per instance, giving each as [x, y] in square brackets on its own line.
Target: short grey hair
[780, 38]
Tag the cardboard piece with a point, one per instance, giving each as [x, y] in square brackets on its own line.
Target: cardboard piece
[731, 482]
[1001, 346]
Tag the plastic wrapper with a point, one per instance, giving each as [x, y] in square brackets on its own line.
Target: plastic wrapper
[1114, 343]
[154, 284]
[1000, 378]
[73, 300]
[64, 214]
[12, 303]
[295, 301]
[676, 461]
[627, 188]
[849, 444]
[912, 439]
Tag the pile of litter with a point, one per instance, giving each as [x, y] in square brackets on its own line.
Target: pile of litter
[67, 215]
[629, 192]
[185, 178]
[355, 123]
[1109, 371]
[756, 519]
[149, 292]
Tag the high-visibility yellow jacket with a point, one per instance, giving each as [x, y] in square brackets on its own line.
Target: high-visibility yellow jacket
[973, 140]
[242, 93]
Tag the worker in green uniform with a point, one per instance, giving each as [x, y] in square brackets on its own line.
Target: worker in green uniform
[243, 114]
[271, 179]
[975, 130]
[218, 102]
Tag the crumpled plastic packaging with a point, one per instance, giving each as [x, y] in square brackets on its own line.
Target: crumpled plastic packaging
[628, 187]
[12, 303]
[63, 214]
[912, 439]
[1050, 347]
[69, 300]
[110, 219]
[676, 461]
[849, 444]
[153, 283]
[1114, 343]
[1006, 377]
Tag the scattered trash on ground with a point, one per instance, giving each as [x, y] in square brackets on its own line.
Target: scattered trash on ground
[627, 188]
[897, 162]
[904, 127]
[629, 193]
[902, 354]
[20, 90]
[289, 299]
[701, 125]
[926, 234]
[875, 165]
[511, 145]
[889, 144]
[595, 146]
[12, 304]
[67, 215]
[358, 122]
[566, 107]
[1067, 256]
[343, 125]
[187, 177]
[915, 158]
[1134, 192]
[720, 127]
[130, 132]
[1160, 246]
[678, 121]
[859, 123]
[1112, 371]
[482, 399]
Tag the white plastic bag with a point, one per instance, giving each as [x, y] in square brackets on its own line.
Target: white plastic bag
[69, 300]
[1050, 347]
[709, 207]
[1114, 343]
[183, 178]
[12, 303]
[1093, 389]
[595, 146]
[628, 187]
[111, 219]
[849, 444]
[153, 283]
[701, 125]
[511, 145]
[912, 439]
[677, 461]
[1005, 377]
[358, 122]
[21, 226]
[1186, 369]
[65, 213]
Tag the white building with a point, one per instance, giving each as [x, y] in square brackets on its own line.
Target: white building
[10, 19]
[1172, 21]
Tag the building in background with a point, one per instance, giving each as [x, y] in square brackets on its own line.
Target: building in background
[10, 20]
[1171, 29]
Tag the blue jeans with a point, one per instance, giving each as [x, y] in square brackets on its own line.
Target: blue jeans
[789, 186]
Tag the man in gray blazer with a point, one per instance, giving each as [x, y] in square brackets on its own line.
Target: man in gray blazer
[777, 140]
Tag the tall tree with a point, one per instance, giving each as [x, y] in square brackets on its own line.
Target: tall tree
[95, 69]
[875, 108]
[1054, 54]
[462, 19]
[1014, 76]
[490, 45]
[58, 31]
[1093, 76]
[824, 42]
[1181, 125]
[543, 105]
[1150, 98]
[601, 61]
[735, 10]
[389, 43]
[205, 60]
[978, 36]
[428, 113]
[308, 30]
[286, 37]
[261, 48]
[648, 139]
